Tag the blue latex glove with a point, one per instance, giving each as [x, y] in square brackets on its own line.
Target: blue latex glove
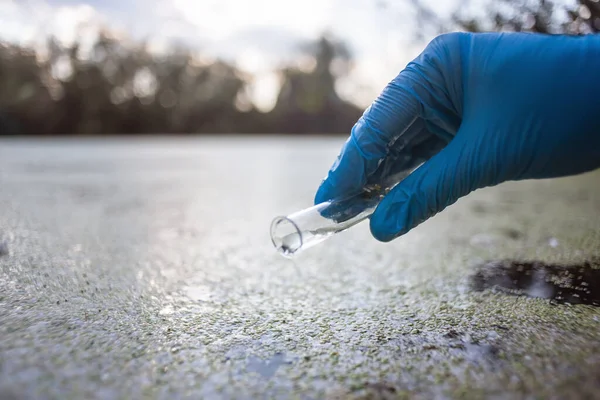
[510, 106]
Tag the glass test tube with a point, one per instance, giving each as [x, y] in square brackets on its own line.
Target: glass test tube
[301, 230]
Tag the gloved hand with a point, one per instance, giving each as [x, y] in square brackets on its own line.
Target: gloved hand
[510, 106]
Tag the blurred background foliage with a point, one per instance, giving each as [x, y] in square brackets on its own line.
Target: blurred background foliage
[123, 88]
[540, 16]
[117, 87]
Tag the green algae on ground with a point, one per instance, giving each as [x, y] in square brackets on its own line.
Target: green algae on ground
[220, 315]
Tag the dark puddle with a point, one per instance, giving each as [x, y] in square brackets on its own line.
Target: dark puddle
[3, 249]
[368, 390]
[561, 283]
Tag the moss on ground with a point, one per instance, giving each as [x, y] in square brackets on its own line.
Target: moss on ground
[165, 308]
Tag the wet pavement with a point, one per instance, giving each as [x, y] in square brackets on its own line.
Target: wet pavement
[144, 269]
[561, 283]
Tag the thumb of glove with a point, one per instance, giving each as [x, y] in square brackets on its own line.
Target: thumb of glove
[467, 163]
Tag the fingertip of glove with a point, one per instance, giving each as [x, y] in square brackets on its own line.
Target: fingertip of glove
[381, 237]
[322, 193]
[387, 223]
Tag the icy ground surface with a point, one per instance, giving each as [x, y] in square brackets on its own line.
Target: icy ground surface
[143, 268]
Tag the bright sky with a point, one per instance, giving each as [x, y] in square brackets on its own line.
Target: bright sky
[258, 35]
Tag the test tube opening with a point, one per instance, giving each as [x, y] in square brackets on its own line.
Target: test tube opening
[286, 236]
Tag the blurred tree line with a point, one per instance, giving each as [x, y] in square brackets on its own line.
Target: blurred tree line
[115, 88]
[540, 16]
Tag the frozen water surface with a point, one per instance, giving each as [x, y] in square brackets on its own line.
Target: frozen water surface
[144, 268]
